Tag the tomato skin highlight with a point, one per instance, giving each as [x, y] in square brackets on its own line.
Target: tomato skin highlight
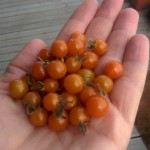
[33, 98]
[78, 35]
[73, 83]
[50, 101]
[76, 47]
[78, 115]
[97, 106]
[39, 118]
[86, 93]
[58, 123]
[59, 48]
[38, 71]
[90, 60]
[18, 88]
[113, 69]
[50, 85]
[56, 69]
[104, 82]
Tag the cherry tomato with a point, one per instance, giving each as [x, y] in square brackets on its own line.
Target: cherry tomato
[32, 98]
[50, 101]
[38, 71]
[73, 83]
[90, 60]
[71, 100]
[79, 117]
[50, 85]
[56, 69]
[58, 123]
[87, 74]
[44, 54]
[18, 88]
[59, 48]
[104, 82]
[99, 47]
[39, 117]
[114, 69]
[73, 65]
[78, 35]
[86, 93]
[97, 106]
[76, 47]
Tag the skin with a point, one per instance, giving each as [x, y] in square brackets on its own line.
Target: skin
[111, 132]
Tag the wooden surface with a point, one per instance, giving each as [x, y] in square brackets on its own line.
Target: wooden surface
[23, 20]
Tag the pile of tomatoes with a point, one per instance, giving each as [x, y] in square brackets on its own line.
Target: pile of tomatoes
[61, 88]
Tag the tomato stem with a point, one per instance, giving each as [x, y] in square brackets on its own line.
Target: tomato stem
[92, 44]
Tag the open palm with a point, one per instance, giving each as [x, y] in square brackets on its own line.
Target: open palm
[111, 132]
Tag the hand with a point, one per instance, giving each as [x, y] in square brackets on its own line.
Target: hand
[111, 132]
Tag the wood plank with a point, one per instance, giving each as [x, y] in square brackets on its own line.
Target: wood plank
[136, 144]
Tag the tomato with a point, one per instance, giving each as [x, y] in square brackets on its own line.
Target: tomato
[104, 83]
[56, 69]
[50, 101]
[38, 71]
[90, 60]
[113, 69]
[76, 47]
[73, 64]
[79, 117]
[59, 48]
[87, 92]
[97, 106]
[32, 98]
[78, 35]
[87, 74]
[99, 47]
[73, 83]
[18, 88]
[50, 85]
[44, 54]
[58, 123]
[39, 117]
[71, 100]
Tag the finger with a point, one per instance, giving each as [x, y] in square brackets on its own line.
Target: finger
[23, 60]
[80, 19]
[128, 89]
[124, 28]
[101, 25]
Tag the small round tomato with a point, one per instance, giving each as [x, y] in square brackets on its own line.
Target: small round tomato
[90, 60]
[114, 69]
[86, 93]
[69, 99]
[76, 47]
[87, 74]
[39, 117]
[56, 69]
[78, 35]
[58, 123]
[44, 54]
[32, 98]
[99, 47]
[97, 106]
[73, 64]
[59, 48]
[73, 83]
[50, 101]
[38, 71]
[50, 85]
[79, 117]
[18, 88]
[104, 83]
